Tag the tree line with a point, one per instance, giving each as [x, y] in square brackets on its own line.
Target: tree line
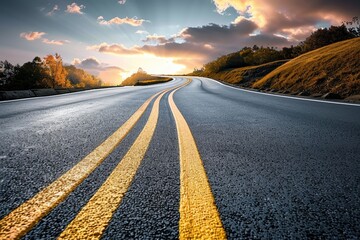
[48, 72]
[252, 56]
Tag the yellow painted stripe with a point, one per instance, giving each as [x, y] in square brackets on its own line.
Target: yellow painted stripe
[17, 223]
[199, 217]
[94, 217]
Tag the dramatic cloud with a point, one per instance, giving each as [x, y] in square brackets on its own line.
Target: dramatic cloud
[191, 54]
[122, 1]
[268, 23]
[118, 21]
[290, 18]
[110, 75]
[75, 9]
[31, 36]
[199, 45]
[216, 34]
[55, 8]
[55, 42]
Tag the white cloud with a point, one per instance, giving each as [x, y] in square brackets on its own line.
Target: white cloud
[74, 9]
[122, 1]
[118, 21]
[31, 36]
[55, 8]
[142, 32]
[55, 42]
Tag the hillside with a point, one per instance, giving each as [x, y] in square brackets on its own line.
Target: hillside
[245, 76]
[334, 68]
[142, 78]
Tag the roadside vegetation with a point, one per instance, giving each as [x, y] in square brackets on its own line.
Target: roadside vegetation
[48, 72]
[310, 66]
[245, 76]
[142, 78]
[334, 68]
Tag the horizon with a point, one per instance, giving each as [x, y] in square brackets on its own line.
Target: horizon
[111, 40]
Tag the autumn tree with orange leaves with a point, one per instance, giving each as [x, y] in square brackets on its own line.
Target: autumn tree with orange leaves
[48, 72]
[57, 74]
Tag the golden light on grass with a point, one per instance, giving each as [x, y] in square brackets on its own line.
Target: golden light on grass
[333, 68]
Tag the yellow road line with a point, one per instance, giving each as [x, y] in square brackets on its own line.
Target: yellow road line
[199, 217]
[22, 219]
[94, 217]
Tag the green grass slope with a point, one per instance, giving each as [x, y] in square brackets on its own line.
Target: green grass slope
[334, 68]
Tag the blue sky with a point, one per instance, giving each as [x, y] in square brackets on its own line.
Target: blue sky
[113, 38]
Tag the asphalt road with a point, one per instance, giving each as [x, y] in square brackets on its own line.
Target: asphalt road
[278, 167]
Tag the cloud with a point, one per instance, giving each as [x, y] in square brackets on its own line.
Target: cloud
[74, 9]
[90, 62]
[118, 21]
[157, 39]
[199, 45]
[286, 17]
[55, 8]
[55, 42]
[122, 2]
[110, 75]
[142, 32]
[118, 49]
[215, 34]
[273, 23]
[31, 36]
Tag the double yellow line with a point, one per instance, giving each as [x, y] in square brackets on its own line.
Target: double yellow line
[198, 213]
[92, 220]
[199, 217]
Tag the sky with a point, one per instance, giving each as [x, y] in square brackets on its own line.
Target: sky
[113, 38]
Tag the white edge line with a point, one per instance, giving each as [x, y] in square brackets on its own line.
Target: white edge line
[282, 96]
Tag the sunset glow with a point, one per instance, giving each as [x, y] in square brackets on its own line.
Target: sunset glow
[171, 37]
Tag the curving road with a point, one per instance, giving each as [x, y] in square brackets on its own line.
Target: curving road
[121, 163]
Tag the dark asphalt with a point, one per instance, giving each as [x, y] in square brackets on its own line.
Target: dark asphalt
[279, 168]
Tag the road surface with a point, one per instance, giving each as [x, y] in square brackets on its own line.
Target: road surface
[185, 159]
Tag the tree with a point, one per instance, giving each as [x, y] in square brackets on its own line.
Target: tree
[326, 36]
[30, 75]
[80, 78]
[231, 60]
[56, 72]
[7, 72]
[353, 26]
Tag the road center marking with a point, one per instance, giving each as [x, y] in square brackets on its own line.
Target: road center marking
[18, 222]
[199, 217]
[94, 217]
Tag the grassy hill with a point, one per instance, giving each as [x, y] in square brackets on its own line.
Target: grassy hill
[142, 78]
[334, 68]
[245, 76]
